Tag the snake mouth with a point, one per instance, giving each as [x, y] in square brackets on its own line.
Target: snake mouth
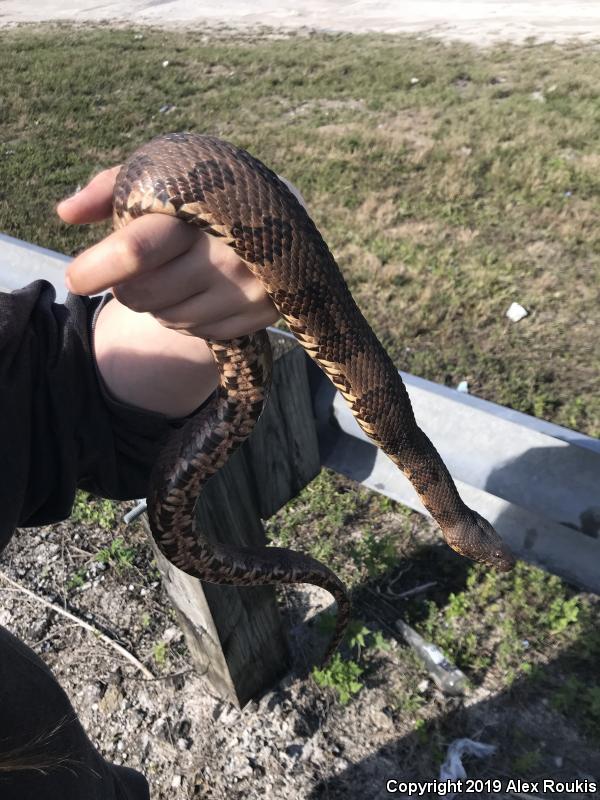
[476, 539]
[503, 559]
[489, 547]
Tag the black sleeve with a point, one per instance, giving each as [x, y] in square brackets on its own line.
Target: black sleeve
[59, 428]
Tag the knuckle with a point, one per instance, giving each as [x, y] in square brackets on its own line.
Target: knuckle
[130, 252]
[130, 297]
[170, 319]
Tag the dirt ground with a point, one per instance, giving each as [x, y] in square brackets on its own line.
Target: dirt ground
[297, 741]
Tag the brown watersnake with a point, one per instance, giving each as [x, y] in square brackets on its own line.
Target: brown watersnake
[228, 193]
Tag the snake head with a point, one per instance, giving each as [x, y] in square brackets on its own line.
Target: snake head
[475, 538]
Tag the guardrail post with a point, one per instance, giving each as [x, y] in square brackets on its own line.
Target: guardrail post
[235, 634]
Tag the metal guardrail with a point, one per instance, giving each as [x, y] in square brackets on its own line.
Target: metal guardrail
[21, 263]
[537, 482]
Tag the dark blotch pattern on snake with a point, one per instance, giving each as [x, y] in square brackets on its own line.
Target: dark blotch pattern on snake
[230, 194]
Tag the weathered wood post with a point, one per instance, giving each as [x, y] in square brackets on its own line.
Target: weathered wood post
[234, 634]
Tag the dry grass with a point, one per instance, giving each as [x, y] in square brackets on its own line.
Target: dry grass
[445, 199]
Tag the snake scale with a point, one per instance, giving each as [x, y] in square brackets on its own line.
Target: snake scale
[230, 194]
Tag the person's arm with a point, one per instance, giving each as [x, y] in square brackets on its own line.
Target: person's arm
[89, 390]
[59, 427]
[146, 365]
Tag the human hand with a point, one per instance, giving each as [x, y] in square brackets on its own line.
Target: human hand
[187, 280]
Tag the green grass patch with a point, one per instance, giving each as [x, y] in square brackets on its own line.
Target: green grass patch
[529, 608]
[117, 554]
[92, 510]
[357, 533]
[444, 200]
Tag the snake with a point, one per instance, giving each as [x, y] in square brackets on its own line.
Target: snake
[228, 193]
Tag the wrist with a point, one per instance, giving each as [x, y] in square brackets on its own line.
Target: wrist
[153, 368]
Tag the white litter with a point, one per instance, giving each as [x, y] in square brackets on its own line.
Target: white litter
[165, 63]
[452, 769]
[463, 386]
[516, 312]
[414, 81]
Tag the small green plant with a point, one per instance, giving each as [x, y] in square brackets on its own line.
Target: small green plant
[323, 501]
[527, 606]
[421, 730]
[145, 620]
[458, 605]
[160, 653]
[94, 510]
[409, 702]
[561, 613]
[117, 554]
[356, 635]
[527, 763]
[342, 676]
[76, 580]
[377, 555]
[379, 642]
[321, 549]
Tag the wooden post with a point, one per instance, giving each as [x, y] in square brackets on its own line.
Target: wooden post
[235, 634]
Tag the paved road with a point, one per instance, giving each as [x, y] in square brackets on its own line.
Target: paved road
[477, 21]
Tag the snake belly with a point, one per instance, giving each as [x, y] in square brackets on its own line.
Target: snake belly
[230, 194]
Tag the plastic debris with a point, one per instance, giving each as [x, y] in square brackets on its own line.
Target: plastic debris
[165, 63]
[516, 312]
[452, 769]
[445, 675]
[463, 386]
[166, 109]
[414, 81]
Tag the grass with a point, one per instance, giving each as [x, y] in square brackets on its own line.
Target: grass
[160, 653]
[94, 510]
[529, 607]
[117, 554]
[444, 200]
[356, 532]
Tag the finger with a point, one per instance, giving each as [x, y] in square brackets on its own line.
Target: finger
[205, 264]
[239, 325]
[145, 244]
[93, 203]
[208, 315]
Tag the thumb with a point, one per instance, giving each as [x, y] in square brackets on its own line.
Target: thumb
[93, 203]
